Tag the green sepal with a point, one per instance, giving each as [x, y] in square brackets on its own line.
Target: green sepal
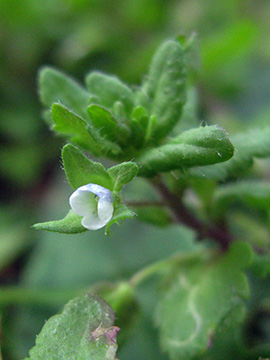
[196, 147]
[165, 87]
[70, 224]
[82, 171]
[202, 294]
[109, 89]
[55, 86]
[68, 123]
[121, 212]
[84, 330]
[122, 174]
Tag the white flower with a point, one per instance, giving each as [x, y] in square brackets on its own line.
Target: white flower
[94, 203]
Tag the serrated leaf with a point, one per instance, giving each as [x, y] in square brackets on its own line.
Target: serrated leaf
[121, 212]
[70, 224]
[200, 299]
[204, 145]
[122, 174]
[255, 194]
[55, 86]
[109, 89]
[165, 87]
[68, 123]
[82, 171]
[84, 330]
[255, 143]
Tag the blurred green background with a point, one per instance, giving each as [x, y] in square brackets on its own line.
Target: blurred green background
[230, 66]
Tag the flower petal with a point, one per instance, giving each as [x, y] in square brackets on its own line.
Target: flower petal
[99, 190]
[105, 210]
[93, 222]
[83, 202]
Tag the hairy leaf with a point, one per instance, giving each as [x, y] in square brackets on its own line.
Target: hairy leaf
[109, 89]
[254, 143]
[68, 123]
[165, 87]
[122, 174]
[84, 330]
[204, 145]
[199, 299]
[71, 224]
[81, 171]
[103, 121]
[55, 86]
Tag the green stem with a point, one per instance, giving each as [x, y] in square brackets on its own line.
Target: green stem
[25, 296]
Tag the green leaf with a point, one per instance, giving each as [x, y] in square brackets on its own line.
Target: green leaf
[165, 87]
[68, 123]
[109, 89]
[55, 86]
[122, 298]
[104, 122]
[204, 145]
[200, 298]
[228, 44]
[122, 174]
[139, 126]
[82, 171]
[71, 224]
[84, 330]
[260, 265]
[254, 143]
[154, 215]
[255, 194]
[121, 212]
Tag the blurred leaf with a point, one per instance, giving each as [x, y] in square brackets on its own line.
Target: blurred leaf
[165, 87]
[227, 45]
[253, 143]
[55, 86]
[255, 194]
[155, 215]
[204, 145]
[200, 298]
[83, 330]
[68, 123]
[13, 242]
[122, 174]
[121, 212]
[71, 224]
[82, 171]
[260, 265]
[109, 89]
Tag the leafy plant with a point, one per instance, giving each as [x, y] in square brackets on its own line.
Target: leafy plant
[201, 294]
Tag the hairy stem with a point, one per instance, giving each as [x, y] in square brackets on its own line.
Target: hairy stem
[185, 217]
